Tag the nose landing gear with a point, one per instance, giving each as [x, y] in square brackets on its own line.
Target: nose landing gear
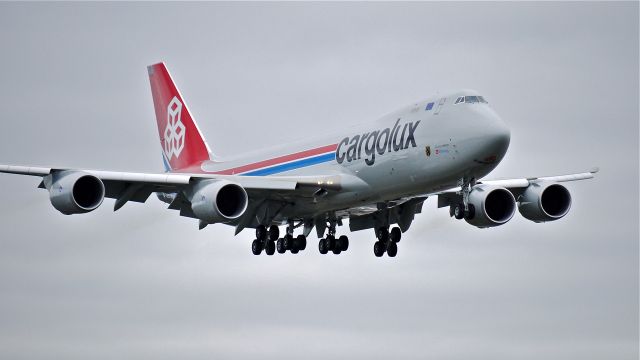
[464, 210]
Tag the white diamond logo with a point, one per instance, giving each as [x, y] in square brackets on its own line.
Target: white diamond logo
[174, 133]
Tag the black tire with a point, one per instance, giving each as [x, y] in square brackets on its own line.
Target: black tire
[458, 212]
[261, 232]
[330, 242]
[301, 242]
[471, 213]
[392, 249]
[378, 249]
[274, 233]
[396, 234]
[280, 246]
[336, 250]
[322, 247]
[270, 249]
[294, 250]
[383, 234]
[287, 240]
[344, 243]
[256, 247]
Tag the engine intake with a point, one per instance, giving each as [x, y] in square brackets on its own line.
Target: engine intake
[75, 192]
[492, 206]
[216, 201]
[542, 202]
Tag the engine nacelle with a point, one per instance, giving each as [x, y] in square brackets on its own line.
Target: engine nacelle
[492, 206]
[75, 192]
[217, 201]
[543, 201]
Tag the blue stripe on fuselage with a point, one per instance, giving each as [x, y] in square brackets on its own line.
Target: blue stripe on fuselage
[293, 165]
[167, 167]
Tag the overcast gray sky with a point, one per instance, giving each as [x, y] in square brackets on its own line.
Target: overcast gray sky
[144, 283]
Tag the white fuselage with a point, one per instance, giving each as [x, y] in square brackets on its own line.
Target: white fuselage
[406, 153]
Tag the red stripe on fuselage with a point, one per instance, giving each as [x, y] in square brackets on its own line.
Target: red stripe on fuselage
[278, 160]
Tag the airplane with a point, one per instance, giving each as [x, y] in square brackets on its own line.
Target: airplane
[375, 175]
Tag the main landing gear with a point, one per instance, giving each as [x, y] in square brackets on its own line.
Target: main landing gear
[387, 241]
[269, 241]
[330, 243]
[265, 240]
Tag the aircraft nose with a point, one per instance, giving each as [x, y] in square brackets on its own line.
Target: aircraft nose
[492, 140]
[501, 137]
[498, 138]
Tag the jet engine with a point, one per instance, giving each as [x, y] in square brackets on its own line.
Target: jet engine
[542, 202]
[217, 201]
[75, 192]
[490, 206]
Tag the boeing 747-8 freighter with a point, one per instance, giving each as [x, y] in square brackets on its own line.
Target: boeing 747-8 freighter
[376, 175]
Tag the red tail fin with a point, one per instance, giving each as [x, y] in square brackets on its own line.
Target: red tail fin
[182, 143]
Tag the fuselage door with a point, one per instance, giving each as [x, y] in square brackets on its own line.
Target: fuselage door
[440, 105]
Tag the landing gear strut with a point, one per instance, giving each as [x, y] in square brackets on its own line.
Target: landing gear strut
[387, 241]
[464, 210]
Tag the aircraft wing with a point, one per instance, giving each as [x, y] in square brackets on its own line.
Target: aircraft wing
[524, 182]
[133, 186]
[516, 186]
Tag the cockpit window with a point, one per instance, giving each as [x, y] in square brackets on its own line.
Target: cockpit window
[470, 100]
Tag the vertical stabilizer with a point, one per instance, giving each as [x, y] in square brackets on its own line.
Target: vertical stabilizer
[182, 142]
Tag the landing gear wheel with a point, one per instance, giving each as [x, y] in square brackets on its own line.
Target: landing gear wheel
[383, 234]
[458, 211]
[270, 248]
[336, 250]
[392, 249]
[294, 250]
[378, 249]
[280, 246]
[396, 234]
[256, 247]
[330, 242]
[287, 241]
[274, 233]
[471, 213]
[322, 247]
[261, 232]
[343, 241]
[301, 242]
